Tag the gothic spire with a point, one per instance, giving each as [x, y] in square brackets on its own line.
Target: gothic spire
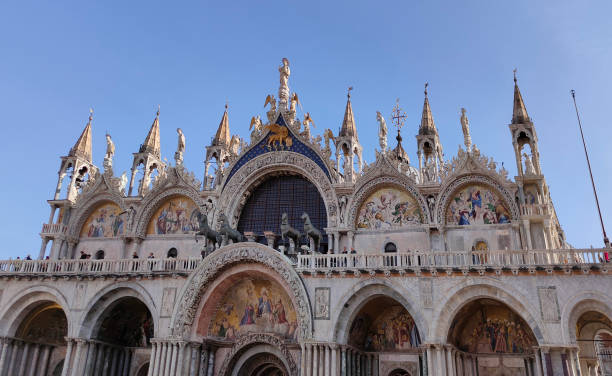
[152, 142]
[82, 148]
[223, 132]
[348, 124]
[519, 112]
[427, 122]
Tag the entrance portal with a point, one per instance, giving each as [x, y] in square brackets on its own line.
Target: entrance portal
[262, 364]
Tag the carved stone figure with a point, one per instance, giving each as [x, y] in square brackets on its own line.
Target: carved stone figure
[235, 145]
[312, 233]
[294, 102]
[382, 131]
[123, 182]
[231, 234]
[429, 172]
[529, 169]
[209, 234]
[283, 90]
[255, 127]
[431, 203]
[272, 101]
[327, 136]
[343, 201]
[465, 127]
[290, 232]
[180, 149]
[307, 121]
[110, 147]
[279, 134]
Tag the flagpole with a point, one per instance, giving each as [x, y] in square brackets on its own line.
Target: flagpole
[603, 229]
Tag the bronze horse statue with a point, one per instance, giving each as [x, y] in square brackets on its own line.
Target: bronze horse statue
[208, 233]
[312, 232]
[232, 234]
[287, 230]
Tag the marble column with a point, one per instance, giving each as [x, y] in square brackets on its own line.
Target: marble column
[211, 361]
[114, 353]
[99, 357]
[302, 359]
[90, 359]
[450, 363]
[173, 357]
[194, 360]
[326, 364]
[107, 360]
[349, 370]
[24, 359]
[545, 370]
[78, 355]
[315, 360]
[358, 364]
[441, 362]
[169, 347]
[15, 349]
[127, 362]
[182, 346]
[152, 358]
[44, 360]
[203, 371]
[35, 358]
[375, 366]
[343, 361]
[6, 343]
[429, 355]
[162, 359]
[577, 362]
[334, 360]
[68, 357]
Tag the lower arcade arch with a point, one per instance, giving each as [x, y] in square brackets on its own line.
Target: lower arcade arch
[379, 334]
[38, 345]
[594, 340]
[488, 337]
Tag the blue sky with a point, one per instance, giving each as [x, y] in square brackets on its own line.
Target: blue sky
[124, 58]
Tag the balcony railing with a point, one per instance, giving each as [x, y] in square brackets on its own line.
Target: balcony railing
[53, 228]
[459, 260]
[323, 262]
[535, 209]
[113, 267]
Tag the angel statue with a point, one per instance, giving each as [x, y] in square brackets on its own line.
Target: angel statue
[382, 131]
[307, 121]
[272, 101]
[529, 169]
[256, 127]
[235, 145]
[328, 135]
[294, 102]
[180, 149]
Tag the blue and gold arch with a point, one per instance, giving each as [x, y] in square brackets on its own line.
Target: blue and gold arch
[279, 137]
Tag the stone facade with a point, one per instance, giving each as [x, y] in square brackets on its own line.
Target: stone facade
[454, 269]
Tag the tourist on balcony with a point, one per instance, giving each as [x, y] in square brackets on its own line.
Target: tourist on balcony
[83, 255]
[135, 255]
[344, 252]
[28, 257]
[151, 255]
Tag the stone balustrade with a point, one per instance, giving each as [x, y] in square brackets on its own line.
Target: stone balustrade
[527, 259]
[101, 267]
[434, 260]
[53, 228]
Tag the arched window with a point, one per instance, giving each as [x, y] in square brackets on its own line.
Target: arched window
[99, 255]
[172, 253]
[390, 247]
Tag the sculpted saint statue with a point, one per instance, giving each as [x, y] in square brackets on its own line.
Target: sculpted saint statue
[110, 147]
[465, 127]
[529, 169]
[285, 72]
[180, 149]
[382, 131]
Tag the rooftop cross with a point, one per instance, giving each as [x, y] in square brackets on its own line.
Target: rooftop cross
[398, 116]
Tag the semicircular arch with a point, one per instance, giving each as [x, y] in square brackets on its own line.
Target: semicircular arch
[402, 183]
[105, 298]
[154, 200]
[253, 172]
[363, 292]
[203, 278]
[462, 181]
[85, 208]
[27, 300]
[464, 293]
[577, 306]
[272, 343]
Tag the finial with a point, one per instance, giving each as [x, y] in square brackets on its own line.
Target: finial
[514, 71]
[158, 107]
[90, 114]
[426, 84]
[348, 94]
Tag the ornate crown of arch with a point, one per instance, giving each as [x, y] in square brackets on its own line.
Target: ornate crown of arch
[383, 173]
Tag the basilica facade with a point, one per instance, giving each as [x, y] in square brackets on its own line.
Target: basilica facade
[293, 256]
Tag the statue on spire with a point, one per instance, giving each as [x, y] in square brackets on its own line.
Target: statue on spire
[283, 90]
[180, 149]
[465, 127]
[382, 131]
[110, 152]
